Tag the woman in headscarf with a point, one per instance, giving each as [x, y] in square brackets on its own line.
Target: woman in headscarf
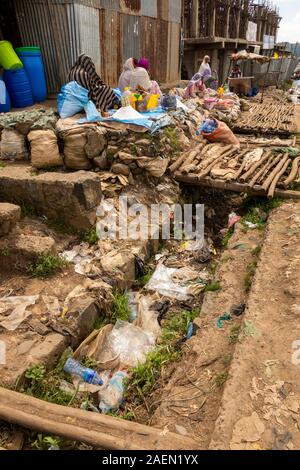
[84, 73]
[195, 85]
[206, 74]
[140, 78]
[128, 68]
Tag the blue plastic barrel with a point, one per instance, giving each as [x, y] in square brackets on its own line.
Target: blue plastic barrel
[18, 87]
[4, 98]
[31, 58]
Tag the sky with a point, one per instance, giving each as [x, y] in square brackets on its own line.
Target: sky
[290, 23]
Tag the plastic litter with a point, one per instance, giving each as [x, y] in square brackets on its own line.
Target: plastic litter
[73, 99]
[130, 343]
[222, 319]
[233, 219]
[250, 225]
[89, 376]
[112, 397]
[208, 126]
[18, 308]
[238, 310]
[162, 282]
[133, 306]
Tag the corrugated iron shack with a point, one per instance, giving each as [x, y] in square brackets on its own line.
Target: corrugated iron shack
[110, 31]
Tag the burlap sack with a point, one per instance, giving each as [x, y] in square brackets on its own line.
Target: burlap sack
[44, 149]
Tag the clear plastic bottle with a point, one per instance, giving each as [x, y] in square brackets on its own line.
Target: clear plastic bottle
[112, 397]
[87, 375]
[126, 97]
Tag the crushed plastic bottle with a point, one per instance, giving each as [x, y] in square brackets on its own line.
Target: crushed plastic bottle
[87, 375]
[112, 397]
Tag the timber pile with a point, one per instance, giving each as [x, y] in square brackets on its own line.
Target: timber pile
[262, 171]
[268, 118]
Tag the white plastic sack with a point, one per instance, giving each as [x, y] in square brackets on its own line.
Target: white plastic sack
[162, 282]
[18, 307]
[130, 343]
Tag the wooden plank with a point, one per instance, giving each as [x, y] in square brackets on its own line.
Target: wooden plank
[97, 430]
[257, 190]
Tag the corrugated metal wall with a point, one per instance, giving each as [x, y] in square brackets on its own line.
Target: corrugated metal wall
[65, 28]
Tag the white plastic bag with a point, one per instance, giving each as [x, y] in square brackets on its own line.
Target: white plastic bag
[162, 282]
[18, 307]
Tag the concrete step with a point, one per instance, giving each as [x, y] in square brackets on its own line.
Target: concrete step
[261, 400]
[9, 216]
[71, 198]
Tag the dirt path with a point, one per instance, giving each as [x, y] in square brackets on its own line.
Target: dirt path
[261, 400]
[191, 400]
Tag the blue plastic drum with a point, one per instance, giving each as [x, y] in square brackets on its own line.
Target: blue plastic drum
[31, 58]
[4, 98]
[18, 87]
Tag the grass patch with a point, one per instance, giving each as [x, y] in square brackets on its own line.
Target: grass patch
[221, 379]
[213, 287]
[5, 252]
[120, 307]
[256, 252]
[257, 210]
[227, 360]
[251, 269]
[90, 236]
[146, 375]
[45, 386]
[46, 265]
[171, 134]
[227, 237]
[2, 165]
[26, 209]
[142, 281]
[234, 334]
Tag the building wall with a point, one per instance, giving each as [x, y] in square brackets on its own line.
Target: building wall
[110, 31]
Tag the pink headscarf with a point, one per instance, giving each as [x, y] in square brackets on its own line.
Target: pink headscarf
[144, 63]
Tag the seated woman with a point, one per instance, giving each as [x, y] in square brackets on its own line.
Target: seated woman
[128, 68]
[195, 86]
[84, 73]
[236, 72]
[140, 79]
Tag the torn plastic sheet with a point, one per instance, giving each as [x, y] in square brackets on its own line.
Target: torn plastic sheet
[162, 282]
[18, 307]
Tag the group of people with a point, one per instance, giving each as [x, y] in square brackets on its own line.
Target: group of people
[135, 75]
[201, 80]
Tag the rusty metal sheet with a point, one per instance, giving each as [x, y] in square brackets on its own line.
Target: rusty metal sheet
[110, 43]
[154, 45]
[88, 24]
[149, 8]
[131, 32]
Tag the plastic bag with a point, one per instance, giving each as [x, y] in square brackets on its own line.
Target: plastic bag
[72, 99]
[111, 398]
[18, 305]
[222, 134]
[163, 283]
[91, 112]
[130, 343]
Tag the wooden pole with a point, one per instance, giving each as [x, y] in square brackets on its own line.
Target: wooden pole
[97, 430]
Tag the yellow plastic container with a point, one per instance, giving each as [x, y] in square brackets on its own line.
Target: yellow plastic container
[8, 58]
[153, 102]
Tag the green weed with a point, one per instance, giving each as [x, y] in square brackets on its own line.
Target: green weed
[46, 265]
[120, 307]
[221, 379]
[90, 236]
[5, 252]
[234, 334]
[227, 237]
[251, 269]
[2, 165]
[171, 134]
[213, 287]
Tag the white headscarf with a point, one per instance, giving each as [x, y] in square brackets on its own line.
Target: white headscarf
[140, 77]
[205, 69]
[124, 79]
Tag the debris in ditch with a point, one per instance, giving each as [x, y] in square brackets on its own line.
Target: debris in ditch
[93, 347]
[233, 219]
[129, 342]
[238, 310]
[88, 406]
[18, 307]
[181, 284]
[162, 308]
[222, 319]
[250, 225]
[147, 318]
[112, 396]
[246, 431]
